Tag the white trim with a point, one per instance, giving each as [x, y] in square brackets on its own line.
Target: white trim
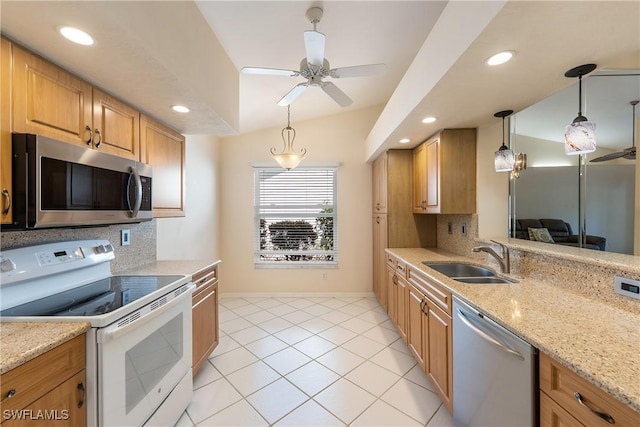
[297, 295]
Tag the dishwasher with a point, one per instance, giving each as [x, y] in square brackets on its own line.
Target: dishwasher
[494, 373]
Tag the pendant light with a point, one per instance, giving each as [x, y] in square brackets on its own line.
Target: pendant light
[504, 159]
[288, 159]
[580, 135]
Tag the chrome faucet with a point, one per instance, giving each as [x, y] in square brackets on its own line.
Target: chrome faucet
[503, 260]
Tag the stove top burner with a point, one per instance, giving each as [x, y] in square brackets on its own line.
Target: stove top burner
[93, 299]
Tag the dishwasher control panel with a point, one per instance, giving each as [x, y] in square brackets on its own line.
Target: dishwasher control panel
[627, 287]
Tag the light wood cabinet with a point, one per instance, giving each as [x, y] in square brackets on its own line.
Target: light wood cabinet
[380, 234]
[52, 384]
[6, 183]
[397, 296]
[429, 332]
[380, 184]
[205, 316]
[398, 227]
[49, 101]
[164, 149]
[568, 399]
[444, 179]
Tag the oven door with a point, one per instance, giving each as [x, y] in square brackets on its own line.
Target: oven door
[142, 357]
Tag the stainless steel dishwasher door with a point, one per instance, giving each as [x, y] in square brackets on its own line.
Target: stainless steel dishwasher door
[494, 373]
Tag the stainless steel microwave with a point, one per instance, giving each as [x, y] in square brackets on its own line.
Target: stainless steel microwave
[56, 184]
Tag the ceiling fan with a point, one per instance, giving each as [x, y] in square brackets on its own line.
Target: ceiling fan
[627, 153]
[315, 67]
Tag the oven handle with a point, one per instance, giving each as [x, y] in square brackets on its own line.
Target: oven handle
[107, 336]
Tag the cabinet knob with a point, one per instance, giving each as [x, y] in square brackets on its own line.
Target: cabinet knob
[377, 220]
[7, 265]
[7, 201]
[378, 206]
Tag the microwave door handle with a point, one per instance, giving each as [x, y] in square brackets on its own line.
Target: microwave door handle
[133, 213]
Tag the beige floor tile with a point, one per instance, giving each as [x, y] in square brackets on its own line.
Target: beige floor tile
[240, 414]
[252, 378]
[287, 360]
[211, 399]
[277, 399]
[314, 346]
[345, 400]
[266, 346]
[382, 414]
[312, 377]
[309, 414]
[373, 378]
[413, 400]
[340, 360]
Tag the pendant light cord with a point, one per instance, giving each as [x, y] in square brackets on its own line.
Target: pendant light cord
[579, 95]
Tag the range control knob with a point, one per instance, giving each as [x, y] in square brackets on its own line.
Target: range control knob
[7, 265]
[103, 249]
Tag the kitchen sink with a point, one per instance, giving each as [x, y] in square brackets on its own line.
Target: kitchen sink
[458, 269]
[466, 273]
[481, 280]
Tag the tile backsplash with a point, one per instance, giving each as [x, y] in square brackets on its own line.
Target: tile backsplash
[142, 249]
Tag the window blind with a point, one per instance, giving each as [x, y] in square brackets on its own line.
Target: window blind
[296, 216]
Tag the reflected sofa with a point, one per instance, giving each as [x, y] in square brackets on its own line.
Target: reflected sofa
[560, 231]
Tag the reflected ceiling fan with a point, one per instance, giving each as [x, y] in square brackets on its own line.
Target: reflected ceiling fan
[315, 67]
[627, 153]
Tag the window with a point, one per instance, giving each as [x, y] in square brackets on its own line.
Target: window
[296, 217]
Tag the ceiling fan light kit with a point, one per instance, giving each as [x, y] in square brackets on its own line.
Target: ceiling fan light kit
[288, 159]
[580, 135]
[315, 67]
[627, 153]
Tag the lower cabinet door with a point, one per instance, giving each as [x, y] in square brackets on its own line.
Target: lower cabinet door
[439, 348]
[553, 415]
[415, 333]
[205, 324]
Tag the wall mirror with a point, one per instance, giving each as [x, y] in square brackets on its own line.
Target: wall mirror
[552, 187]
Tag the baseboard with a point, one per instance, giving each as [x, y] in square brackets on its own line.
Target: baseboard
[297, 295]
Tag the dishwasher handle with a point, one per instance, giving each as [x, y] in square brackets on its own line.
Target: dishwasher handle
[488, 337]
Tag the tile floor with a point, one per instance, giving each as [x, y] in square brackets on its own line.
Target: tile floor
[311, 362]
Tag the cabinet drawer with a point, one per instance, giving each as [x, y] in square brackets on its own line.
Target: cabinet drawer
[401, 269]
[561, 384]
[205, 277]
[552, 414]
[30, 381]
[436, 293]
[391, 261]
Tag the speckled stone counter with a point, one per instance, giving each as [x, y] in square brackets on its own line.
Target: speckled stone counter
[23, 341]
[187, 267]
[598, 341]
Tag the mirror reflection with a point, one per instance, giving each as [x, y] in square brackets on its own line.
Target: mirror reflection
[546, 196]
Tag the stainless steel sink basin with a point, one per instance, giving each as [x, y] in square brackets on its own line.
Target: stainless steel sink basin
[458, 269]
[481, 280]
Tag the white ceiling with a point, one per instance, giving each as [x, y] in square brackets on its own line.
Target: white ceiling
[154, 54]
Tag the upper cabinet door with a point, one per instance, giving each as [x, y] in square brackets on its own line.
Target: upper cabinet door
[380, 184]
[6, 186]
[116, 126]
[163, 149]
[49, 101]
[433, 176]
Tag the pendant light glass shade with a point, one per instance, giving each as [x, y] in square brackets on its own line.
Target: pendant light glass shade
[504, 158]
[288, 159]
[580, 135]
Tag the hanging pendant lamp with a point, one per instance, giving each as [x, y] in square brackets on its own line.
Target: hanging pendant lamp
[288, 159]
[580, 135]
[504, 158]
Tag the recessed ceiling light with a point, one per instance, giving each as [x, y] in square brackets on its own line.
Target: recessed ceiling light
[429, 120]
[500, 58]
[180, 108]
[404, 140]
[77, 36]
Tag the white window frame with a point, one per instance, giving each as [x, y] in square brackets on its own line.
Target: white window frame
[265, 255]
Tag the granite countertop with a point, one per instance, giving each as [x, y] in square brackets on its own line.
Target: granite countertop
[598, 341]
[23, 341]
[186, 267]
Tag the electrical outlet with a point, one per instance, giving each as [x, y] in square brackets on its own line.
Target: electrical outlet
[627, 287]
[125, 237]
[463, 229]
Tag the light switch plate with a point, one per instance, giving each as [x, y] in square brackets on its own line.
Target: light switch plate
[627, 287]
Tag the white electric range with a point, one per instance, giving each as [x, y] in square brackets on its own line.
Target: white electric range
[138, 351]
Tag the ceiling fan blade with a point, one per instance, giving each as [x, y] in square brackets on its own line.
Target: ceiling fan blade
[611, 156]
[293, 94]
[268, 71]
[359, 71]
[338, 95]
[314, 45]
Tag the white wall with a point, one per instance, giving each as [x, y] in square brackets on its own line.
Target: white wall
[197, 235]
[339, 138]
